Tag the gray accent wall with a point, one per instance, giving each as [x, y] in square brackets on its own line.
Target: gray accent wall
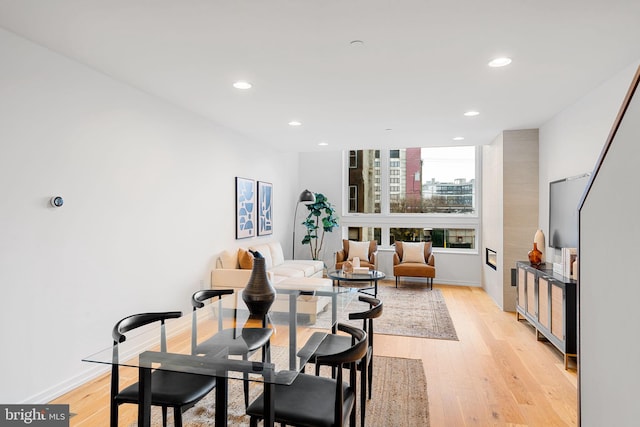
[509, 208]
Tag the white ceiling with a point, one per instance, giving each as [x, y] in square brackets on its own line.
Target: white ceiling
[422, 65]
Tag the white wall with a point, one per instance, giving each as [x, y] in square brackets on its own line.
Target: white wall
[571, 141]
[149, 201]
[492, 216]
[321, 172]
[570, 144]
[609, 291]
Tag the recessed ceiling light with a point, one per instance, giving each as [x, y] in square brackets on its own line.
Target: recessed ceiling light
[499, 62]
[471, 113]
[323, 143]
[295, 123]
[458, 138]
[388, 129]
[356, 43]
[242, 85]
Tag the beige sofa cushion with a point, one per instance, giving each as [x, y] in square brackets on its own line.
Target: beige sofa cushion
[228, 259]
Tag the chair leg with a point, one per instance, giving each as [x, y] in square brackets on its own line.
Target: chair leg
[164, 416]
[370, 376]
[352, 416]
[363, 391]
[177, 416]
[396, 281]
[253, 422]
[114, 414]
[245, 384]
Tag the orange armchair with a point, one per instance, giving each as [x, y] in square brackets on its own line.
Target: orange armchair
[411, 260]
[366, 251]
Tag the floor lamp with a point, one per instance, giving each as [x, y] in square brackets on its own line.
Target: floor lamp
[305, 197]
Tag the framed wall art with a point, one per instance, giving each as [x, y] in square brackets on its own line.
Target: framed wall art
[265, 208]
[245, 208]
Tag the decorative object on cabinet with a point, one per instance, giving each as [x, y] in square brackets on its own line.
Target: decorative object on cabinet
[539, 239]
[259, 293]
[535, 256]
[265, 208]
[245, 208]
[548, 301]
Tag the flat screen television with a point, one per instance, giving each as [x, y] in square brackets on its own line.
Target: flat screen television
[564, 196]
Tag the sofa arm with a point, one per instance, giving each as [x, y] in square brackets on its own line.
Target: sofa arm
[432, 260]
[396, 258]
[373, 259]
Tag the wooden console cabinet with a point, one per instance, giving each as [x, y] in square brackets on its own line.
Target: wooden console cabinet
[547, 300]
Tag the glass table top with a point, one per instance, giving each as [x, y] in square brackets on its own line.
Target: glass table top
[370, 275]
[212, 339]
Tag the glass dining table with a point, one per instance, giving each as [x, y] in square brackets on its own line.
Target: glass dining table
[290, 333]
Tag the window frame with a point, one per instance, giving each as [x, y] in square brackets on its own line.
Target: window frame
[386, 220]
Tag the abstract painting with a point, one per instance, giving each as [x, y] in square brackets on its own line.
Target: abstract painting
[245, 208]
[265, 208]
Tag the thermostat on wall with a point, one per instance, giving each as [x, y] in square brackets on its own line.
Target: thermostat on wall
[56, 201]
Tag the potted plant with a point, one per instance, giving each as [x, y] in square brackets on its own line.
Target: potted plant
[321, 219]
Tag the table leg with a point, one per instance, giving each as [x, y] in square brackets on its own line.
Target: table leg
[144, 405]
[293, 327]
[334, 313]
[269, 409]
[222, 388]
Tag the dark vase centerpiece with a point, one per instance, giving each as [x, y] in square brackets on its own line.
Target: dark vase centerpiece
[535, 256]
[259, 293]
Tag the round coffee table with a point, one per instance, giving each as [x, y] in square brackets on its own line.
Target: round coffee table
[372, 277]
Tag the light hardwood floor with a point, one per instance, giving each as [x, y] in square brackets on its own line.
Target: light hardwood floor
[497, 374]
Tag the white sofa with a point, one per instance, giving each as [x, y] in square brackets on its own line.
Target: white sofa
[233, 269]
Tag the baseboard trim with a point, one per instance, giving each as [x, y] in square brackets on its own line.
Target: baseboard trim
[66, 386]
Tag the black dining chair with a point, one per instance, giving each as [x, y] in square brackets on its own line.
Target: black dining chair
[238, 341]
[318, 401]
[169, 389]
[334, 343]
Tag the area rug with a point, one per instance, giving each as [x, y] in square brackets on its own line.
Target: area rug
[399, 398]
[408, 310]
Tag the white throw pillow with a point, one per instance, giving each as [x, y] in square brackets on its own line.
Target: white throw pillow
[413, 252]
[277, 256]
[359, 249]
[265, 251]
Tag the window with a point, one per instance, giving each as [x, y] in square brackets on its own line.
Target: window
[416, 194]
[461, 238]
[432, 180]
[353, 159]
[353, 198]
[363, 234]
[366, 179]
[437, 180]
